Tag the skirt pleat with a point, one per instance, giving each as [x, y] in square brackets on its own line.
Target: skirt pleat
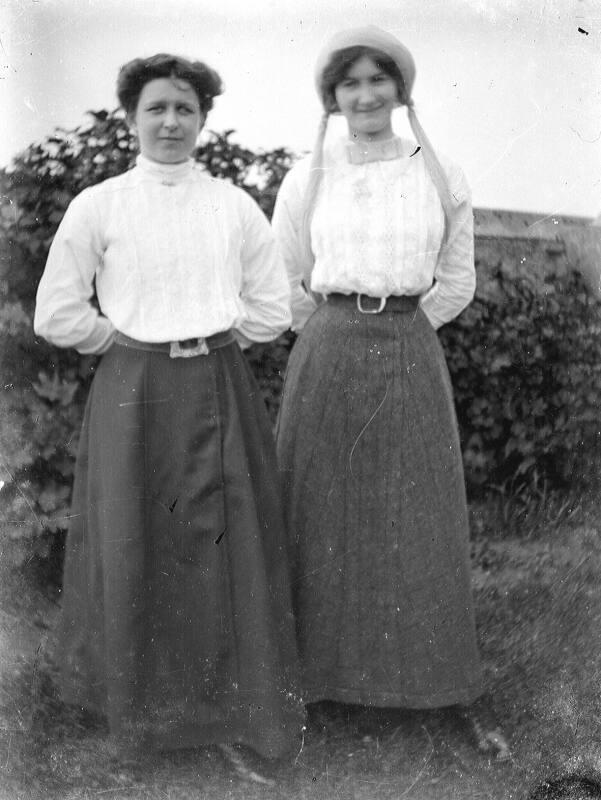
[177, 618]
[374, 491]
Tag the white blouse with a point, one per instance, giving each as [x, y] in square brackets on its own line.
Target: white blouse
[173, 253]
[377, 229]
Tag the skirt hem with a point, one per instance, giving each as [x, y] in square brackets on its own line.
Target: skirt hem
[369, 697]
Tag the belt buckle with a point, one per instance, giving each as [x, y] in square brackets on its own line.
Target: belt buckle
[371, 310]
[187, 348]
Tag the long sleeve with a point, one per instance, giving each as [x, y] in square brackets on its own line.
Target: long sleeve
[64, 314]
[454, 274]
[376, 229]
[265, 292]
[287, 225]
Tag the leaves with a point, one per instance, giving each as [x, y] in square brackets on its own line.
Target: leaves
[525, 357]
[55, 389]
[528, 395]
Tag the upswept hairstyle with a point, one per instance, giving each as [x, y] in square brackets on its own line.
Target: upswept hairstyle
[341, 61]
[134, 75]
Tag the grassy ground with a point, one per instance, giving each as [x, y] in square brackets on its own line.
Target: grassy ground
[539, 617]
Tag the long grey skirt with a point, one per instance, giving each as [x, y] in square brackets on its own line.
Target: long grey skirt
[177, 620]
[374, 493]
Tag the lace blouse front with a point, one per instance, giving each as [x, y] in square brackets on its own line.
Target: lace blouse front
[377, 228]
[174, 254]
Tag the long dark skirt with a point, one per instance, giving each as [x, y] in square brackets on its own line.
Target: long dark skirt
[374, 491]
[177, 620]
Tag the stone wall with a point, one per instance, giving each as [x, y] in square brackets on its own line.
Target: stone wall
[535, 246]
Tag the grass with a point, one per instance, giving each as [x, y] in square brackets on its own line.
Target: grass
[538, 597]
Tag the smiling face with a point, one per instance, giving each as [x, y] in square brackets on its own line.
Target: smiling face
[168, 120]
[366, 96]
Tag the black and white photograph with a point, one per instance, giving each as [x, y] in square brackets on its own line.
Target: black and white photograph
[300, 409]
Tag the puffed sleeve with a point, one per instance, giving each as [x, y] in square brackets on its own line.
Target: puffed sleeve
[455, 273]
[64, 314]
[265, 291]
[287, 223]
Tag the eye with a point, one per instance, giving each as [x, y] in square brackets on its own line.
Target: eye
[186, 109]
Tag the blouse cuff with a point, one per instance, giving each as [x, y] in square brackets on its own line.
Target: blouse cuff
[99, 341]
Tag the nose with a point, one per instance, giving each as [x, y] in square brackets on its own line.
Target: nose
[365, 95]
[170, 120]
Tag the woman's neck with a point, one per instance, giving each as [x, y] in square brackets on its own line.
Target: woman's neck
[369, 138]
[361, 151]
[160, 166]
[169, 174]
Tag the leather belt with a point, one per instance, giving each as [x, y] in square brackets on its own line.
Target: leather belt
[184, 348]
[376, 305]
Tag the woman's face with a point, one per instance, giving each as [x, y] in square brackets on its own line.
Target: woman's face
[168, 120]
[366, 97]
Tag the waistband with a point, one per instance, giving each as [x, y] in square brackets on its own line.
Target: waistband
[185, 348]
[376, 305]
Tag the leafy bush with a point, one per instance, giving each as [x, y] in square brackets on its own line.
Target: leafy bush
[525, 357]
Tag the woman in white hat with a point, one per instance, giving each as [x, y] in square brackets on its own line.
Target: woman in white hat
[382, 230]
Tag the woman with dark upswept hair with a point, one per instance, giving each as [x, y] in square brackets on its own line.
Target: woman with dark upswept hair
[377, 235]
[176, 613]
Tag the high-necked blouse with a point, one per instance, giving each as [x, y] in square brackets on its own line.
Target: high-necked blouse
[173, 254]
[377, 229]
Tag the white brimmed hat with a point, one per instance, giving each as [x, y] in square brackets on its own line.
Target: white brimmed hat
[371, 37]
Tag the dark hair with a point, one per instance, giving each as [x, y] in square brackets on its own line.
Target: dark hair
[341, 61]
[134, 75]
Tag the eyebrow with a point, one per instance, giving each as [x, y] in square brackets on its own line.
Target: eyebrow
[373, 75]
[162, 101]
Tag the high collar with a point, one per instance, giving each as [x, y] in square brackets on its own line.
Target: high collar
[168, 174]
[360, 152]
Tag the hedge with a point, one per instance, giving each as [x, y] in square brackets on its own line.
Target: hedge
[525, 360]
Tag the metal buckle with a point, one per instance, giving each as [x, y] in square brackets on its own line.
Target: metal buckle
[188, 348]
[371, 310]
